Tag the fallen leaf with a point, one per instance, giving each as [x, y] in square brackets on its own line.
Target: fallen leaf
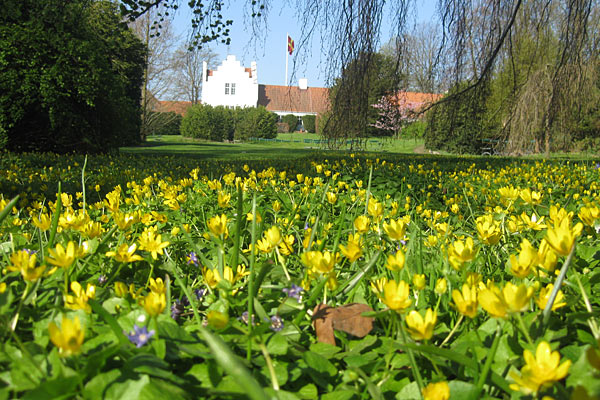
[346, 318]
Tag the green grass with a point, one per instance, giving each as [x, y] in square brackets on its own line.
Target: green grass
[286, 146]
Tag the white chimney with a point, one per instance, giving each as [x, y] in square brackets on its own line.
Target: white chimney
[303, 83]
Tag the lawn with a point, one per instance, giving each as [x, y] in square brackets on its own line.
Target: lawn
[286, 146]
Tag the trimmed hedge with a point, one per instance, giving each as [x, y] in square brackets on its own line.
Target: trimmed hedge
[291, 120]
[309, 122]
[203, 121]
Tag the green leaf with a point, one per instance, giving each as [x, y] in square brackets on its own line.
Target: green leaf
[6, 210]
[308, 391]
[277, 344]
[325, 349]
[319, 363]
[57, 388]
[409, 392]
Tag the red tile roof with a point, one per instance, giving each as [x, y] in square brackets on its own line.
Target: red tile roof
[178, 107]
[293, 99]
[414, 101]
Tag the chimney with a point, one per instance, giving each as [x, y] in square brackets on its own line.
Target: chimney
[303, 83]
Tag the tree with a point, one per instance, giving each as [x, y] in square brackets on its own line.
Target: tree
[157, 81]
[187, 71]
[70, 76]
[353, 115]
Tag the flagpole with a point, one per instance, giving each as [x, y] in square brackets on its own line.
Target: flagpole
[287, 53]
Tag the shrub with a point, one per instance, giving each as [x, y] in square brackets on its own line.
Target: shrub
[291, 120]
[255, 122]
[309, 122]
[196, 122]
[77, 83]
[414, 129]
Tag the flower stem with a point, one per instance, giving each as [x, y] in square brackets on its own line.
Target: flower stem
[524, 329]
[411, 356]
[269, 362]
[251, 278]
[557, 285]
[456, 325]
[591, 321]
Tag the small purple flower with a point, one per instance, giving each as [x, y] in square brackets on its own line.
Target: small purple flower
[598, 165]
[306, 226]
[244, 318]
[30, 251]
[102, 279]
[140, 335]
[192, 258]
[176, 309]
[200, 293]
[276, 323]
[294, 292]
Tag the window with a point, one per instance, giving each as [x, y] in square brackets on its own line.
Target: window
[227, 88]
[232, 89]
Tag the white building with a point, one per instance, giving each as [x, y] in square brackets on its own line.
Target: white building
[230, 85]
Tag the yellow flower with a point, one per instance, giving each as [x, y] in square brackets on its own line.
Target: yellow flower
[276, 206]
[321, 262]
[419, 281]
[544, 296]
[466, 300]
[217, 320]
[157, 286]
[125, 253]
[562, 236]
[375, 208]
[68, 338]
[151, 243]
[121, 289]
[377, 285]
[436, 391]
[558, 214]
[2, 287]
[223, 199]
[395, 262]
[353, 250]
[441, 286]
[24, 262]
[395, 229]
[124, 221]
[154, 303]
[522, 265]
[80, 300]
[547, 258]
[249, 217]
[460, 252]
[332, 197]
[361, 224]
[419, 328]
[62, 257]
[530, 197]
[511, 299]
[395, 295]
[533, 222]
[508, 193]
[42, 222]
[273, 236]
[540, 371]
[285, 247]
[589, 215]
[218, 225]
[488, 229]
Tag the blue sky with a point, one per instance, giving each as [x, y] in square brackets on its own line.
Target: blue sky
[270, 50]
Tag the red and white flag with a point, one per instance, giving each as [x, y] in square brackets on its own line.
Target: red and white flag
[290, 45]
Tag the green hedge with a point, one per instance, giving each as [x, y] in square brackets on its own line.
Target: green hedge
[220, 123]
[309, 122]
[291, 120]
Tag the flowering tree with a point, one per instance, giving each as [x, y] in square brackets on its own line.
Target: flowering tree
[393, 113]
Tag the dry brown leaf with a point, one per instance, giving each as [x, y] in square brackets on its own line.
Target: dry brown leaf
[346, 318]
